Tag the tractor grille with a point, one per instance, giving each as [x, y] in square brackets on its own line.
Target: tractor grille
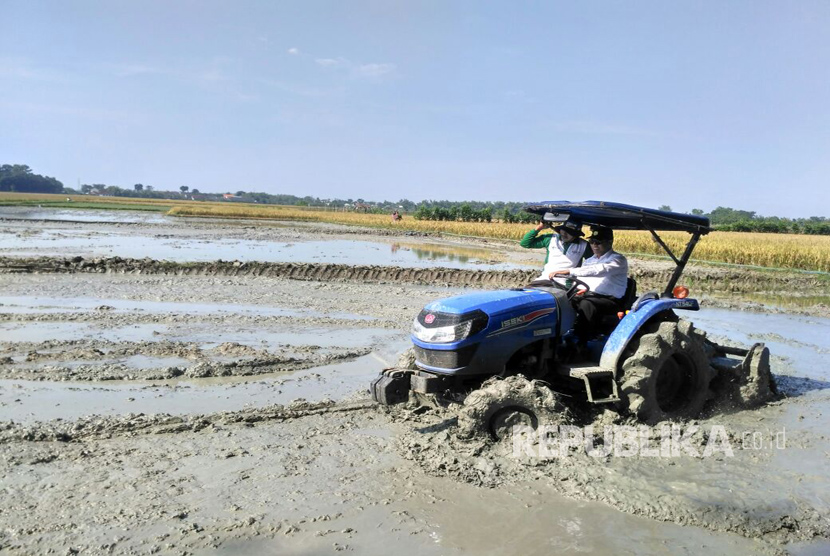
[446, 359]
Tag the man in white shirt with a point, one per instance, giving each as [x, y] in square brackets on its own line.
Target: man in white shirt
[606, 273]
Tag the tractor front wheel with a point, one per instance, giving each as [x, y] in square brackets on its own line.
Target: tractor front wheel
[667, 375]
[502, 403]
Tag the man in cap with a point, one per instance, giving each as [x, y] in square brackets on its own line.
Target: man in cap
[606, 274]
[565, 248]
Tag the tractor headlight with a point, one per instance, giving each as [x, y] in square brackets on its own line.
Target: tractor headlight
[442, 334]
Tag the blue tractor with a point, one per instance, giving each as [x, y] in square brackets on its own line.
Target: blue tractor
[646, 361]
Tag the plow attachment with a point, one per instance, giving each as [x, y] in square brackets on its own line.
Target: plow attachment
[748, 380]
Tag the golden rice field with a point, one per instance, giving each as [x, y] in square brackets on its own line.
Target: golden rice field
[767, 250]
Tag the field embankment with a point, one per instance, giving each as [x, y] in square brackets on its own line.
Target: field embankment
[649, 276]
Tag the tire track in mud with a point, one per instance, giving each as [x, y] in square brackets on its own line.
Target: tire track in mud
[648, 277]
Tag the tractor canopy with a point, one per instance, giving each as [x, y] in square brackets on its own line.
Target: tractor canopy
[628, 217]
[620, 216]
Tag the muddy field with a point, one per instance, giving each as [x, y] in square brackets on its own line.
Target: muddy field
[165, 389]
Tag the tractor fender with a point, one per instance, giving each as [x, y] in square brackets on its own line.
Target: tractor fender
[631, 324]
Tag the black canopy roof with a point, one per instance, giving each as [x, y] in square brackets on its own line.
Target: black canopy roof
[622, 217]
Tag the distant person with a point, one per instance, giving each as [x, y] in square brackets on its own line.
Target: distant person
[606, 273]
[565, 248]
[396, 216]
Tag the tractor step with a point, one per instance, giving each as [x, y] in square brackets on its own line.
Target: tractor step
[599, 382]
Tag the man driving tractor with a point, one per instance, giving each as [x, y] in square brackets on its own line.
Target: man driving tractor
[606, 273]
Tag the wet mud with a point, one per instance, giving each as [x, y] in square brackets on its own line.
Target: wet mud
[730, 492]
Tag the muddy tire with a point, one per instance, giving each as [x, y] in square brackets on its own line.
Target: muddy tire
[407, 360]
[499, 404]
[667, 375]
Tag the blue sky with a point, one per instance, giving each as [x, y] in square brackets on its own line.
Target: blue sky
[694, 104]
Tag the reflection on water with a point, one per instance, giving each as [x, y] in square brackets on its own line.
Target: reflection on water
[70, 242]
[447, 253]
[76, 215]
[432, 254]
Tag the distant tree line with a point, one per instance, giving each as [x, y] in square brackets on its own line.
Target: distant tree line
[732, 220]
[474, 211]
[463, 212]
[141, 190]
[722, 218]
[20, 179]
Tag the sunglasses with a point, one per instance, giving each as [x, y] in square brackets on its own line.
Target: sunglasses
[595, 242]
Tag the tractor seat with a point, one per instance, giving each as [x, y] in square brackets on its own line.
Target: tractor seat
[630, 294]
[609, 322]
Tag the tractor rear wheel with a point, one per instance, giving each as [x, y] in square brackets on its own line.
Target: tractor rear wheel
[667, 375]
[499, 404]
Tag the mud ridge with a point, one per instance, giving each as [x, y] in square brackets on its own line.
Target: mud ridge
[180, 317]
[97, 427]
[648, 276]
[253, 361]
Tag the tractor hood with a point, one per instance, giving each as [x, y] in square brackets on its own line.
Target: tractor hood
[492, 303]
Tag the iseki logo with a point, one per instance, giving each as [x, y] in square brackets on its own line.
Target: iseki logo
[429, 319]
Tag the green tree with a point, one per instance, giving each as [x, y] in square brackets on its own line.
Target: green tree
[184, 188]
[31, 183]
[138, 187]
[422, 213]
[726, 215]
[11, 170]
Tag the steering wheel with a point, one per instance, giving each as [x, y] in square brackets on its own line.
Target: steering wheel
[574, 290]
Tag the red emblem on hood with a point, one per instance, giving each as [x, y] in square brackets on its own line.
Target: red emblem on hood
[429, 319]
